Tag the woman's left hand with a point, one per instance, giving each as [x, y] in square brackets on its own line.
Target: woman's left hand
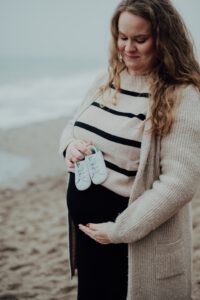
[96, 231]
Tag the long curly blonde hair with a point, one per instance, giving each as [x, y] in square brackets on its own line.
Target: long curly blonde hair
[176, 63]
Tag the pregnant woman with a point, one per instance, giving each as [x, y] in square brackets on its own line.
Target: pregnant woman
[130, 235]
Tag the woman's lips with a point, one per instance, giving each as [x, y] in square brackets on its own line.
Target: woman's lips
[131, 56]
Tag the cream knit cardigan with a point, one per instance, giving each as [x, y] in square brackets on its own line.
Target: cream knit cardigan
[157, 223]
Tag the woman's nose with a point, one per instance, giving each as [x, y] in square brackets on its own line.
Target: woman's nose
[130, 46]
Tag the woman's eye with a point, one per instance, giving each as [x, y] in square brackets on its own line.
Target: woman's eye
[140, 41]
[123, 38]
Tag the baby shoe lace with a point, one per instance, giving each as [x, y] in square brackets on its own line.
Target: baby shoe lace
[82, 173]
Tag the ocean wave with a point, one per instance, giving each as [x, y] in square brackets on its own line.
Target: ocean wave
[29, 101]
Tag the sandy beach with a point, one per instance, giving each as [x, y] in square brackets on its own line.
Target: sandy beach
[33, 255]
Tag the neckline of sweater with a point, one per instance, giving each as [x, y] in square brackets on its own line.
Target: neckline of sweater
[134, 82]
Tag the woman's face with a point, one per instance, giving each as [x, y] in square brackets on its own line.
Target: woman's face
[136, 43]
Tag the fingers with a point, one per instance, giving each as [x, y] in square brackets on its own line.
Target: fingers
[96, 232]
[76, 151]
[70, 164]
[88, 231]
[92, 226]
[68, 161]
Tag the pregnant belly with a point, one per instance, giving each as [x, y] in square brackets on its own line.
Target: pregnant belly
[94, 205]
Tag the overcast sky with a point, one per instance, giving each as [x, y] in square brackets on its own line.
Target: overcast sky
[67, 28]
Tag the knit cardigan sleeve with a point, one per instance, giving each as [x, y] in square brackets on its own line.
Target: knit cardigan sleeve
[67, 134]
[177, 183]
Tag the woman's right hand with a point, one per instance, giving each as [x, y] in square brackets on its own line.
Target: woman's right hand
[76, 151]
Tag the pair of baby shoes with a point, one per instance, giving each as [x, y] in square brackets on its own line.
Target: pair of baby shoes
[91, 169]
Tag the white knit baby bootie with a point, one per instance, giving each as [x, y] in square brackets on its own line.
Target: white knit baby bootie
[96, 166]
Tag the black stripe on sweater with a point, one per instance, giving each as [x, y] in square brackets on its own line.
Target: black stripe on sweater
[119, 113]
[108, 136]
[130, 93]
[120, 170]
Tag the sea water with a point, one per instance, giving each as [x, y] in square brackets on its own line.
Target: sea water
[36, 90]
[33, 90]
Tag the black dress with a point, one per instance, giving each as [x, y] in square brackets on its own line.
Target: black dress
[102, 269]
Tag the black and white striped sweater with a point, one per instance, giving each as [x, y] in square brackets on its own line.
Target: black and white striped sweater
[117, 130]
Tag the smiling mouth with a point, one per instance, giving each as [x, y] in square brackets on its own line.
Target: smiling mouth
[131, 56]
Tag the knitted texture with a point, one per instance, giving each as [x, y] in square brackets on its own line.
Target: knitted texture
[157, 223]
[117, 131]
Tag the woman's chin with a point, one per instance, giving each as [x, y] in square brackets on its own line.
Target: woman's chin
[133, 68]
[132, 65]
